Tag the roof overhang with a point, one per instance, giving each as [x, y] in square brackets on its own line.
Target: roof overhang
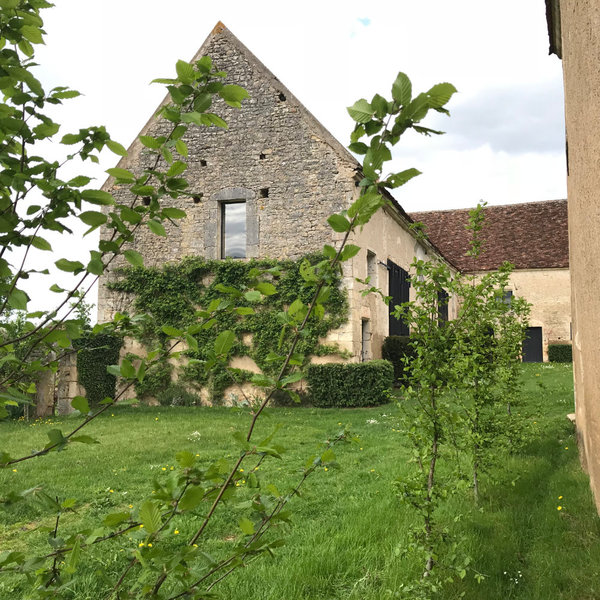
[553, 20]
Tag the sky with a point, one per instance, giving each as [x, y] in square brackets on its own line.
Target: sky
[504, 140]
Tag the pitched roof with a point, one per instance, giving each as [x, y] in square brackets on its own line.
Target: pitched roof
[532, 235]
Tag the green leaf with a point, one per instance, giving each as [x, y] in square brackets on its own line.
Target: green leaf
[266, 288]
[233, 95]
[18, 300]
[247, 526]
[127, 370]
[358, 147]
[33, 34]
[244, 310]
[397, 179]
[380, 105]
[40, 243]
[361, 111]
[349, 251]
[185, 459]
[45, 130]
[93, 218]
[80, 403]
[171, 331]
[130, 215]
[253, 296]
[339, 223]
[224, 342]
[79, 181]
[122, 174]
[202, 102]
[150, 142]
[216, 120]
[116, 148]
[402, 89]
[84, 439]
[157, 228]
[134, 258]
[329, 251]
[440, 94]
[192, 498]
[328, 456]
[115, 519]
[181, 147]
[185, 72]
[177, 168]
[70, 266]
[98, 197]
[95, 266]
[173, 213]
[150, 516]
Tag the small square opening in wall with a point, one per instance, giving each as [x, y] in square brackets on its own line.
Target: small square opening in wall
[146, 200]
[262, 156]
[198, 198]
[281, 97]
[202, 163]
[264, 192]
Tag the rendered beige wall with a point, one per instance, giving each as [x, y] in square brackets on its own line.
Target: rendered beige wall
[549, 293]
[580, 21]
[386, 236]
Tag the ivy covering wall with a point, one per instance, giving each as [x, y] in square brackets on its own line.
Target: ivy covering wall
[171, 295]
[94, 354]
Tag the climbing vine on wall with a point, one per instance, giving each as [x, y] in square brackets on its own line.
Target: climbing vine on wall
[172, 295]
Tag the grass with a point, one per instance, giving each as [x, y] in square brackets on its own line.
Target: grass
[349, 528]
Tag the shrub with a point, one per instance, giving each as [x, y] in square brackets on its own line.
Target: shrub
[95, 352]
[177, 395]
[350, 384]
[397, 349]
[561, 353]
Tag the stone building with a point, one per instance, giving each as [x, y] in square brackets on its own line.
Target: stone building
[265, 187]
[574, 29]
[533, 237]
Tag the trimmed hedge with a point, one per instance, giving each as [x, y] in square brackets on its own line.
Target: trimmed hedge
[396, 348]
[560, 353]
[350, 384]
[94, 354]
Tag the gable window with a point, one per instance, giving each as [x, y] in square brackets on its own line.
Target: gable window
[233, 229]
[507, 297]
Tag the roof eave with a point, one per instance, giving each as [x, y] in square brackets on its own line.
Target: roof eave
[554, 30]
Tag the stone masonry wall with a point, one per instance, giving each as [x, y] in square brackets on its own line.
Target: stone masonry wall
[274, 148]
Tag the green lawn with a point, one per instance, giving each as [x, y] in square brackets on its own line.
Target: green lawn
[348, 525]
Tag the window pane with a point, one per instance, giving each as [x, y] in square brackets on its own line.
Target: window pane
[234, 230]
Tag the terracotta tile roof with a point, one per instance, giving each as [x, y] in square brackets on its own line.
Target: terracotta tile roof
[532, 235]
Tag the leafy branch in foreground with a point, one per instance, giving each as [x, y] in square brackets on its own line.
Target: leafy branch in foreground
[195, 492]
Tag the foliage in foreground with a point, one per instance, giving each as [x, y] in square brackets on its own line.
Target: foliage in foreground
[197, 492]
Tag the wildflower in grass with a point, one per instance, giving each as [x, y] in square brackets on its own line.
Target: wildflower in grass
[164, 468]
[566, 447]
[176, 532]
[372, 470]
[14, 470]
[560, 497]
[131, 506]
[111, 491]
[141, 526]
[172, 468]
[141, 544]
[156, 418]
[559, 508]
[241, 470]
[149, 545]
[326, 469]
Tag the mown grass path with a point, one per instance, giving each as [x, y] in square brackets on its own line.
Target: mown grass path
[348, 525]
